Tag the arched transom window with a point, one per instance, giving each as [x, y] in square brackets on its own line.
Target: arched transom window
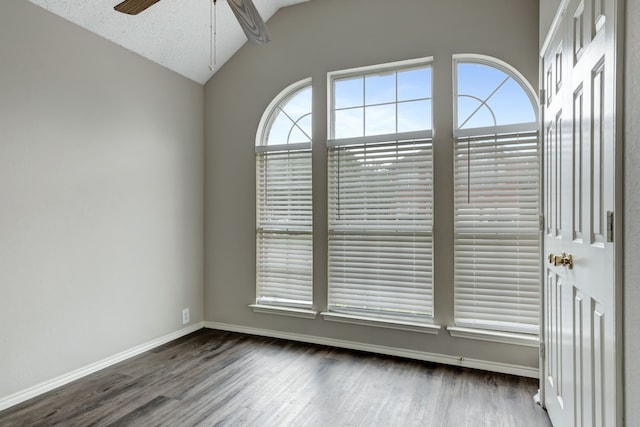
[288, 118]
[490, 95]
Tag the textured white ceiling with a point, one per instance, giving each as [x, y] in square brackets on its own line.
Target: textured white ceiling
[173, 33]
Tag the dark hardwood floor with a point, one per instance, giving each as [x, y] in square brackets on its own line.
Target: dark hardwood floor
[214, 378]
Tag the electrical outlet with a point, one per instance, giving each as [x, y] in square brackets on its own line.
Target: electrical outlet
[185, 316]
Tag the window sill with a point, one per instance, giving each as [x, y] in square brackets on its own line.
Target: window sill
[390, 324]
[284, 311]
[494, 336]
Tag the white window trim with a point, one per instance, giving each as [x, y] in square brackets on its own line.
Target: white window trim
[284, 311]
[403, 136]
[495, 336]
[283, 147]
[426, 328]
[495, 130]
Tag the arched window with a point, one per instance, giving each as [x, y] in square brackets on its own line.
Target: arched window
[496, 200]
[283, 202]
[491, 94]
[287, 120]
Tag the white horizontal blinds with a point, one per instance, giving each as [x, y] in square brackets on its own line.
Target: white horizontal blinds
[284, 222]
[380, 228]
[496, 236]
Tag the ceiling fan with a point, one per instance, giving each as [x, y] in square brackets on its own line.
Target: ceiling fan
[244, 10]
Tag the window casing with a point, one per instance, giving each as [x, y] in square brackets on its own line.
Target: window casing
[496, 199]
[284, 240]
[380, 192]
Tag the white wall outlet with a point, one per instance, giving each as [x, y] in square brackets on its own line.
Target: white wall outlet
[185, 316]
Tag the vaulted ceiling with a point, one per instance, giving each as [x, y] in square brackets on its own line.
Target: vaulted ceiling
[174, 33]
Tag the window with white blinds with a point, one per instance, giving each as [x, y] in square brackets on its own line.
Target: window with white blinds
[380, 201]
[496, 201]
[380, 194]
[496, 238]
[284, 242]
[380, 237]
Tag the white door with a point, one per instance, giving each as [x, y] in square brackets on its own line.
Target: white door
[579, 126]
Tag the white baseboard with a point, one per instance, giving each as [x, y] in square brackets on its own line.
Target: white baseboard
[485, 365]
[31, 392]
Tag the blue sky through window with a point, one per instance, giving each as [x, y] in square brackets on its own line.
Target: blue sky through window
[292, 121]
[506, 101]
[381, 103]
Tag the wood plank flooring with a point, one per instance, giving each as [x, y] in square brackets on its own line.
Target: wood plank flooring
[215, 378]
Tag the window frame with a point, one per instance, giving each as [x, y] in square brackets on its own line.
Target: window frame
[512, 72]
[480, 330]
[269, 116]
[371, 69]
[433, 326]
[407, 322]
[263, 150]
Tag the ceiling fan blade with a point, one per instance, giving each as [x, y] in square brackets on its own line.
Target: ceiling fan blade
[250, 21]
[134, 7]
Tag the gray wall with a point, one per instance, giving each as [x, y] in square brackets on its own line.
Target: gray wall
[101, 183]
[631, 209]
[548, 10]
[311, 39]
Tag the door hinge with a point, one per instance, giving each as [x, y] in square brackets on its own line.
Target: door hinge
[541, 222]
[542, 350]
[609, 226]
[543, 96]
